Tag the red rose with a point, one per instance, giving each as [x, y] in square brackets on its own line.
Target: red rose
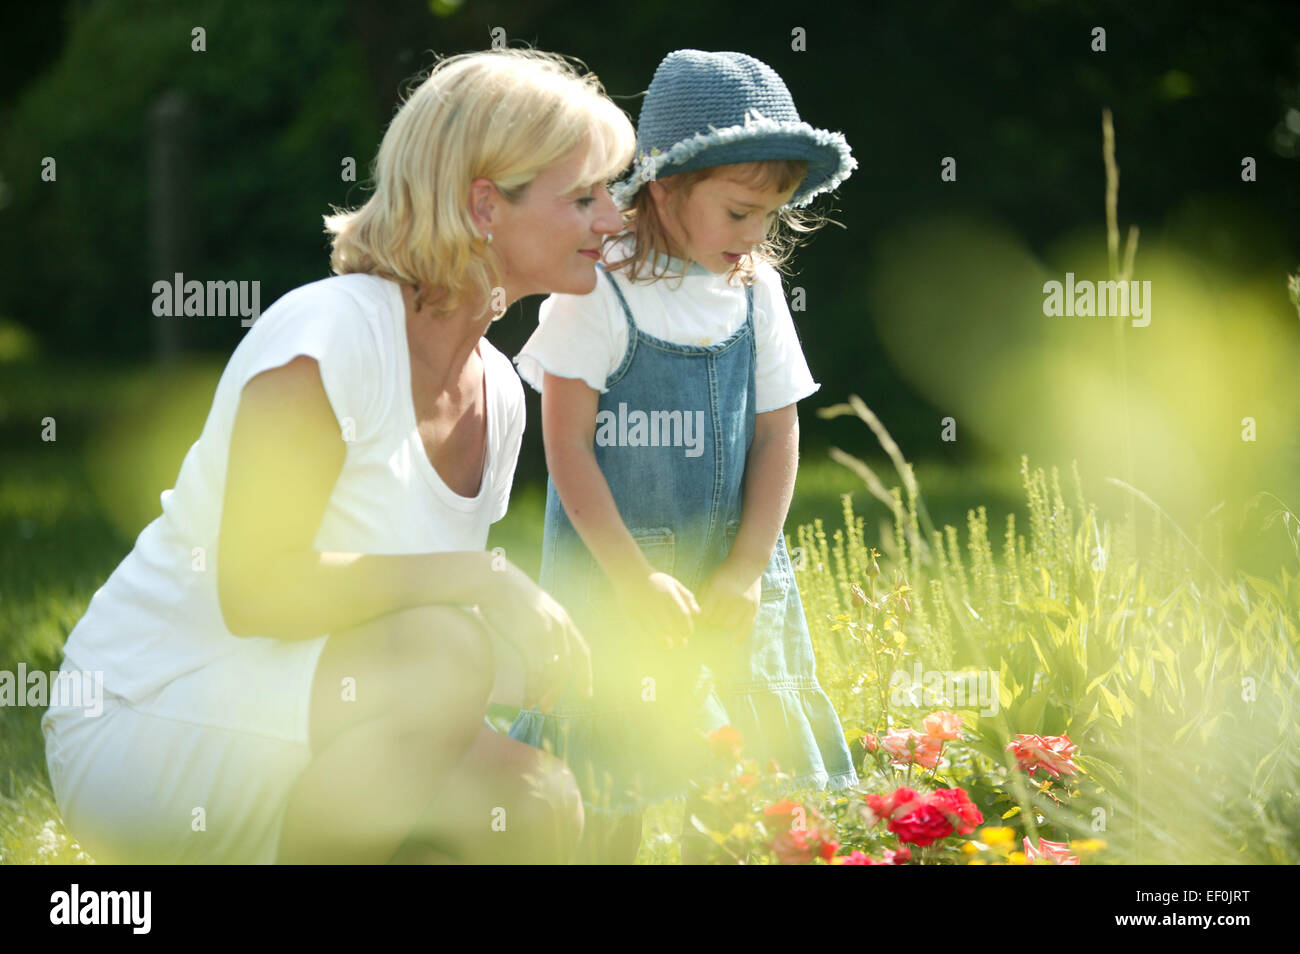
[922, 826]
[725, 743]
[800, 847]
[794, 848]
[955, 802]
[854, 858]
[886, 807]
[786, 815]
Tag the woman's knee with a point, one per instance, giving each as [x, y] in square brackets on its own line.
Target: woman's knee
[440, 659]
[428, 667]
[553, 811]
[564, 798]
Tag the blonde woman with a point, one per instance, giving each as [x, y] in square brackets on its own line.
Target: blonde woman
[297, 654]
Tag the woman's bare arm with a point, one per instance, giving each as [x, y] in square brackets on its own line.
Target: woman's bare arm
[286, 452]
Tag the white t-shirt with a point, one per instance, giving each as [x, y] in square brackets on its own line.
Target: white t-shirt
[157, 617]
[585, 336]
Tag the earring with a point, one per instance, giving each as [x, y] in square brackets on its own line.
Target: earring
[489, 238]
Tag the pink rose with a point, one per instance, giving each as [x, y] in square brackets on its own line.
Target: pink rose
[1051, 753]
[942, 725]
[900, 856]
[1057, 852]
[907, 746]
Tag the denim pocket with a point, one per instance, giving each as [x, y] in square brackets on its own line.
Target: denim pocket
[777, 573]
[660, 549]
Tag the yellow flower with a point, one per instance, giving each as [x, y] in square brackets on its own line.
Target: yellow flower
[997, 835]
[1088, 844]
[970, 848]
[1017, 858]
[977, 861]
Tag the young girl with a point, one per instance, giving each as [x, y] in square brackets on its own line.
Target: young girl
[668, 411]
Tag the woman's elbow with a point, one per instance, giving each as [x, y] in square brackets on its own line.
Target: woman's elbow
[233, 598]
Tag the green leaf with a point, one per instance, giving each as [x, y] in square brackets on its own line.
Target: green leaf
[1039, 650]
[1030, 716]
[1113, 703]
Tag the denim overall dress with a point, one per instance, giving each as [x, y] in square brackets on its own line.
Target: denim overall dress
[677, 479]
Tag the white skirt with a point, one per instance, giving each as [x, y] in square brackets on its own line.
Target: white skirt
[199, 773]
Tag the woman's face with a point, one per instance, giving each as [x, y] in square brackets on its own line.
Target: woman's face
[549, 241]
[718, 220]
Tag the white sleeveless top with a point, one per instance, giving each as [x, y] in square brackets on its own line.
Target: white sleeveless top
[157, 617]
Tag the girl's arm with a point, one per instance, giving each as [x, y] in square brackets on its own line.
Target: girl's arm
[730, 597]
[770, 470]
[568, 431]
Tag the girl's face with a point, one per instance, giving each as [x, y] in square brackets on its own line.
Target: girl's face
[549, 241]
[718, 221]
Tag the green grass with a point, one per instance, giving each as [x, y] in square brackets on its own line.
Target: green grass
[1176, 672]
[70, 510]
[1142, 662]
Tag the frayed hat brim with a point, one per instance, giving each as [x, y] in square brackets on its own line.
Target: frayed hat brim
[830, 161]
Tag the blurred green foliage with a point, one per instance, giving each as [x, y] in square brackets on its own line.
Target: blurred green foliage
[275, 103]
[1011, 90]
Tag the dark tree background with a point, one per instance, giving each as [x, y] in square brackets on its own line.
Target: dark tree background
[284, 91]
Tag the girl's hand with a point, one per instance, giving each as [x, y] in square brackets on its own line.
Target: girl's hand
[527, 621]
[660, 605]
[730, 601]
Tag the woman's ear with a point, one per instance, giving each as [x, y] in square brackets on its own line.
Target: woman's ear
[483, 199]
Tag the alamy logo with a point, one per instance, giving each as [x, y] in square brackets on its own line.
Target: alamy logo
[73, 689]
[102, 907]
[961, 689]
[179, 298]
[655, 429]
[1085, 298]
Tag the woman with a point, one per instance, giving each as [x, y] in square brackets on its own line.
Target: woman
[298, 653]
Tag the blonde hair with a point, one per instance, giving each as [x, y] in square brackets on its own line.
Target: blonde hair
[505, 115]
[645, 226]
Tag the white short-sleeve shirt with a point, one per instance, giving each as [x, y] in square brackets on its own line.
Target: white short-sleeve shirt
[585, 336]
[157, 617]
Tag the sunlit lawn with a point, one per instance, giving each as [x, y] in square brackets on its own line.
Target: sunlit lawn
[1143, 659]
[70, 509]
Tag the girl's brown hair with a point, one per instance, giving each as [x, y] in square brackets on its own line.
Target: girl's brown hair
[649, 237]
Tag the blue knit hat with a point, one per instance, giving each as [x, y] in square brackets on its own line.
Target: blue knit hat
[713, 109]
